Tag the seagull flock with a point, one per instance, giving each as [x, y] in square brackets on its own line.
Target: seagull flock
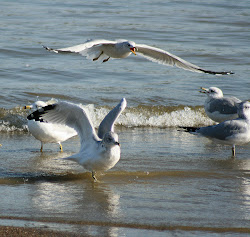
[57, 121]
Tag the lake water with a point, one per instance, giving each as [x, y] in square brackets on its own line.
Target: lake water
[167, 182]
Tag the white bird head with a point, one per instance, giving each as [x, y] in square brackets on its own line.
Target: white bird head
[128, 46]
[37, 105]
[213, 92]
[244, 110]
[110, 139]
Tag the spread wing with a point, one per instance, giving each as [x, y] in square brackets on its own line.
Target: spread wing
[108, 122]
[164, 57]
[92, 49]
[81, 47]
[71, 115]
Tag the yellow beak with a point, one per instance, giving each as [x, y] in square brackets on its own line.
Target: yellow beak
[204, 90]
[27, 107]
[133, 50]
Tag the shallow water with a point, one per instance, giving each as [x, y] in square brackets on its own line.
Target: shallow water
[167, 182]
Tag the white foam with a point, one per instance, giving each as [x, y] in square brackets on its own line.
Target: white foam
[6, 126]
[143, 116]
[135, 118]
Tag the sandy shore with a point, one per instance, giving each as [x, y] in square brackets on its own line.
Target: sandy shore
[11, 231]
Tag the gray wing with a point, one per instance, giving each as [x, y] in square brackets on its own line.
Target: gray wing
[225, 105]
[71, 115]
[108, 122]
[224, 130]
[164, 57]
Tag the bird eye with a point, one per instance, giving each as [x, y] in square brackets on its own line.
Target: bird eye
[212, 91]
[109, 139]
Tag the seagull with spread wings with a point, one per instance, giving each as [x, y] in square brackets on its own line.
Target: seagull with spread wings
[98, 152]
[103, 50]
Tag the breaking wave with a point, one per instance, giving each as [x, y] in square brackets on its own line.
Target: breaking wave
[14, 120]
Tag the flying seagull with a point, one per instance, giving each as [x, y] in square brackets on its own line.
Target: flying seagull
[103, 50]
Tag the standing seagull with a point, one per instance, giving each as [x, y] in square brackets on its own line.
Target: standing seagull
[231, 132]
[219, 108]
[105, 49]
[48, 132]
[97, 153]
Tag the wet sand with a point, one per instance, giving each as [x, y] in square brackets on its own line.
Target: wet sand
[31, 232]
[7, 231]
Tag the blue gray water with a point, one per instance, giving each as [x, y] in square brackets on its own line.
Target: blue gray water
[167, 182]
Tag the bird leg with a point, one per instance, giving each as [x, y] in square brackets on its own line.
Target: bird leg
[106, 60]
[93, 176]
[41, 149]
[94, 59]
[233, 151]
[61, 148]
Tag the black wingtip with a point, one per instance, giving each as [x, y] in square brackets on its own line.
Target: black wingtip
[215, 73]
[50, 49]
[47, 48]
[37, 115]
[188, 129]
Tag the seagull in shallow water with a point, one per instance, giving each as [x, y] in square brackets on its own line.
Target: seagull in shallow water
[48, 132]
[103, 50]
[231, 132]
[219, 108]
[98, 152]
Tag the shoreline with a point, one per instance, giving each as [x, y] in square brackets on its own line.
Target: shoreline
[7, 231]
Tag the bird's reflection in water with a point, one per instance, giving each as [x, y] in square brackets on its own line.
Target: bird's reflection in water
[244, 166]
[52, 162]
[78, 199]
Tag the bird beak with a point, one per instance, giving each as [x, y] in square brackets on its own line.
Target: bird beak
[133, 50]
[117, 143]
[204, 90]
[27, 107]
